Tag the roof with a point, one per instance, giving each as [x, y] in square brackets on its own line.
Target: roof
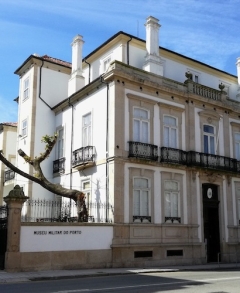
[14, 124]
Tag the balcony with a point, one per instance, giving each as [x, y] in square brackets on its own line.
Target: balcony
[212, 161]
[59, 166]
[9, 175]
[83, 157]
[141, 219]
[143, 150]
[173, 156]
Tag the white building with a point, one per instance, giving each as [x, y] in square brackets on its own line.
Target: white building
[8, 138]
[153, 133]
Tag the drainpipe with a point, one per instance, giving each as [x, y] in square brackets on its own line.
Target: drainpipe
[89, 68]
[107, 150]
[128, 50]
[71, 105]
[40, 86]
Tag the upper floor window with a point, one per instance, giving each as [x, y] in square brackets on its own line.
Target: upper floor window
[26, 89]
[60, 144]
[237, 145]
[24, 127]
[106, 63]
[170, 131]
[140, 125]
[141, 197]
[171, 193]
[208, 139]
[86, 188]
[87, 130]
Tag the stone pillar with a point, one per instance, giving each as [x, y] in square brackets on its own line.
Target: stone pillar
[14, 200]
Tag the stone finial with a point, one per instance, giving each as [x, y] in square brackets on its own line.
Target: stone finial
[15, 194]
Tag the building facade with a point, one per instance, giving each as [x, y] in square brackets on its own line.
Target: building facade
[150, 132]
[8, 139]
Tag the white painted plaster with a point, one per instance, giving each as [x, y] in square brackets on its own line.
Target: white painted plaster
[30, 242]
[126, 193]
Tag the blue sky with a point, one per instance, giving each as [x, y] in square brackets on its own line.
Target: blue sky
[206, 30]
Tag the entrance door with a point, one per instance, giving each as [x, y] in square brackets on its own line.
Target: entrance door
[3, 235]
[211, 221]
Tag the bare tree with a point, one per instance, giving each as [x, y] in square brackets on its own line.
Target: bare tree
[40, 179]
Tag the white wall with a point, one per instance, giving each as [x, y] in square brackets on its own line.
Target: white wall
[65, 238]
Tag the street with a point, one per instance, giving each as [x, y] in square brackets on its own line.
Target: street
[224, 281]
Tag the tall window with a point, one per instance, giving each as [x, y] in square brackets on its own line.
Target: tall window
[26, 89]
[237, 145]
[24, 127]
[238, 204]
[140, 125]
[141, 191]
[170, 131]
[209, 139]
[60, 143]
[106, 63]
[171, 193]
[86, 188]
[87, 130]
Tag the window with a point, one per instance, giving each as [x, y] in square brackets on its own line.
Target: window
[86, 188]
[24, 127]
[106, 63]
[209, 139]
[140, 125]
[171, 194]
[196, 78]
[237, 145]
[87, 130]
[60, 144]
[238, 204]
[141, 191]
[170, 132]
[26, 89]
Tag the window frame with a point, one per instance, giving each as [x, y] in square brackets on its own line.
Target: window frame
[24, 130]
[63, 143]
[141, 202]
[171, 191]
[170, 127]
[141, 121]
[89, 132]
[87, 191]
[26, 82]
[209, 135]
[236, 146]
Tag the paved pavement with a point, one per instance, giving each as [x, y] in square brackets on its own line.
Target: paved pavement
[6, 277]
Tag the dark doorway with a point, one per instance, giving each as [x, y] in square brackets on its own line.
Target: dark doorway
[3, 235]
[211, 221]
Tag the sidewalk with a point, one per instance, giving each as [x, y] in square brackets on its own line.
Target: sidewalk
[6, 277]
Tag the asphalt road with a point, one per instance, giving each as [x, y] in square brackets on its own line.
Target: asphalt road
[171, 282]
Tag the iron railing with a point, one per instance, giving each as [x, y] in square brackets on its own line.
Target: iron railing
[172, 219]
[65, 211]
[142, 219]
[174, 156]
[143, 150]
[212, 161]
[59, 165]
[83, 155]
[9, 175]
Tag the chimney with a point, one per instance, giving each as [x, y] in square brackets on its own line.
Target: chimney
[77, 81]
[153, 62]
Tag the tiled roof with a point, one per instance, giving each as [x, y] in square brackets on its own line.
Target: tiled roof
[58, 61]
[9, 123]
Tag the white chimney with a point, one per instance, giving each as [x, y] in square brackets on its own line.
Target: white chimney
[238, 70]
[77, 81]
[153, 62]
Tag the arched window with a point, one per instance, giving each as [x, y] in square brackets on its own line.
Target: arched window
[209, 139]
[140, 125]
[170, 131]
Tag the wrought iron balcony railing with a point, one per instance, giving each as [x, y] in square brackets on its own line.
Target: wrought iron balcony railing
[142, 219]
[172, 219]
[173, 156]
[212, 161]
[9, 175]
[143, 150]
[83, 155]
[59, 166]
